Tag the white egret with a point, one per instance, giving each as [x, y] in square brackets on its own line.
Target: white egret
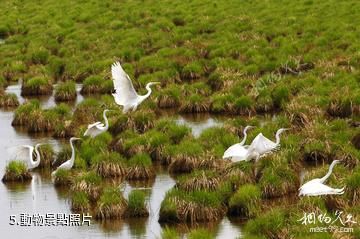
[97, 128]
[237, 151]
[263, 145]
[124, 92]
[25, 153]
[316, 187]
[69, 163]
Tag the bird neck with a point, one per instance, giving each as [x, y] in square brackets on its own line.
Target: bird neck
[106, 120]
[244, 139]
[72, 159]
[323, 179]
[36, 162]
[277, 137]
[148, 91]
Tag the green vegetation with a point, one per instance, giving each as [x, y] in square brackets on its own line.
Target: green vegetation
[47, 155]
[196, 206]
[246, 201]
[16, 171]
[80, 202]
[111, 204]
[90, 184]
[63, 177]
[8, 100]
[36, 86]
[65, 91]
[140, 167]
[136, 205]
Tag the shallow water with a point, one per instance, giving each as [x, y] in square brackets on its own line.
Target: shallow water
[40, 195]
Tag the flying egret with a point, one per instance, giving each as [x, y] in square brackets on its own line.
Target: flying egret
[316, 187]
[25, 153]
[263, 145]
[237, 151]
[69, 163]
[124, 92]
[97, 128]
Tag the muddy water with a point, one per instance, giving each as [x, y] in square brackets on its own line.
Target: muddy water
[41, 197]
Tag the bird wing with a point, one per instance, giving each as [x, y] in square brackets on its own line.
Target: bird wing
[124, 89]
[21, 153]
[262, 144]
[236, 150]
[94, 129]
[97, 124]
[317, 189]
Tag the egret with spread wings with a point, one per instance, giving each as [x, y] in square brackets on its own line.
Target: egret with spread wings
[316, 187]
[25, 153]
[124, 92]
[97, 128]
[263, 145]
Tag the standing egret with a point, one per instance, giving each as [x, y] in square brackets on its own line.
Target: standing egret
[263, 145]
[124, 92]
[25, 153]
[68, 164]
[316, 187]
[97, 128]
[237, 151]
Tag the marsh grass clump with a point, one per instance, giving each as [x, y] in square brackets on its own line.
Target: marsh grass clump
[195, 104]
[196, 206]
[46, 120]
[47, 155]
[169, 233]
[264, 102]
[96, 85]
[272, 224]
[136, 205]
[140, 167]
[340, 107]
[169, 97]
[111, 204]
[90, 183]
[109, 165]
[8, 100]
[65, 91]
[142, 121]
[16, 171]
[199, 180]
[185, 156]
[316, 151]
[278, 180]
[36, 86]
[353, 186]
[64, 129]
[23, 112]
[244, 105]
[356, 141]
[80, 202]
[86, 112]
[171, 129]
[245, 202]
[239, 173]
[118, 125]
[63, 177]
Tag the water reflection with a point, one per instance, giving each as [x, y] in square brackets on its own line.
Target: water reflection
[198, 122]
